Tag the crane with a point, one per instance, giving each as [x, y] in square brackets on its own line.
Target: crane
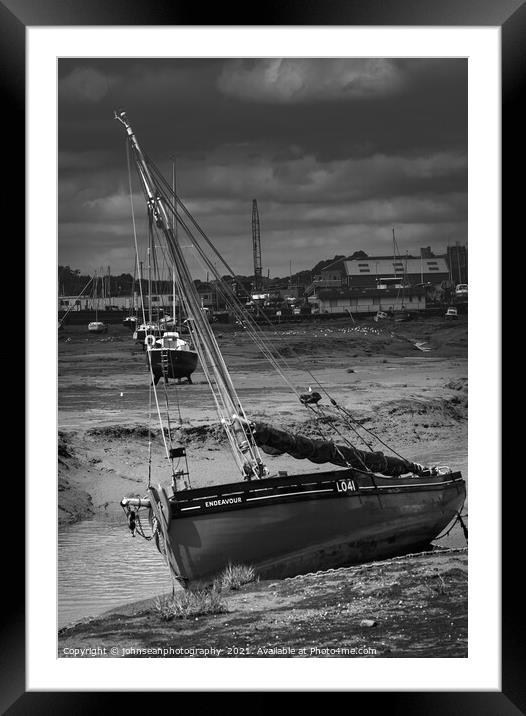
[256, 246]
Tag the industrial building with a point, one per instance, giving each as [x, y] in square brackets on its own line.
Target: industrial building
[112, 303]
[385, 272]
[370, 300]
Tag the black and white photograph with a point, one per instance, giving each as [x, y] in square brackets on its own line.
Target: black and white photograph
[263, 357]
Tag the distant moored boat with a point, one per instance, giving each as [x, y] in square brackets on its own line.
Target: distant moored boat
[130, 322]
[97, 327]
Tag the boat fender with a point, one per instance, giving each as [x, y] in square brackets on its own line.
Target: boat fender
[131, 522]
[149, 341]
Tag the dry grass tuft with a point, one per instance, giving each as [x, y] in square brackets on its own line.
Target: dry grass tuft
[235, 576]
[188, 605]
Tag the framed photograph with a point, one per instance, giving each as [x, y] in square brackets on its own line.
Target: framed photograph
[316, 182]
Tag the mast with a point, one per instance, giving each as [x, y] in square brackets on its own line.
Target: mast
[458, 262]
[140, 289]
[150, 273]
[228, 405]
[174, 222]
[108, 292]
[95, 287]
[133, 302]
[174, 228]
[173, 296]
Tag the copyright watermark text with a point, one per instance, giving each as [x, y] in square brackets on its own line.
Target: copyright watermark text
[246, 650]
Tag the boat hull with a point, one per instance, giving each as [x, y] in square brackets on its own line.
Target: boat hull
[172, 363]
[309, 524]
[140, 334]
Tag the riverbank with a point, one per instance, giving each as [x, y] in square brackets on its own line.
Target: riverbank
[412, 606]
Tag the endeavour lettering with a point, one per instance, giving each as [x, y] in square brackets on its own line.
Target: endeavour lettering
[347, 485]
[226, 501]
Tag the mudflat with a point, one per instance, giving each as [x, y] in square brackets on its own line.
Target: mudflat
[414, 400]
[406, 383]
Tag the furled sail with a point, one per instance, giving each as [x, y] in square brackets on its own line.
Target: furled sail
[276, 442]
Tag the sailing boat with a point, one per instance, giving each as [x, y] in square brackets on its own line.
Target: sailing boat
[168, 356]
[171, 356]
[130, 321]
[366, 505]
[96, 326]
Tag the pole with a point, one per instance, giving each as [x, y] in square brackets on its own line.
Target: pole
[173, 295]
[174, 229]
[173, 190]
[140, 288]
[149, 280]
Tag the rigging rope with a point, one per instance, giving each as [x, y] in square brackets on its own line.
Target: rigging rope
[149, 354]
[458, 518]
[161, 198]
[150, 435]
[344, 438]
[253, 329]
[70, 308]
[135, 230]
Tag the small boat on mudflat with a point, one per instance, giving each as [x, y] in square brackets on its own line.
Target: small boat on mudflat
[170, 357]
[130, 322]
[97, 327]
[146, 329]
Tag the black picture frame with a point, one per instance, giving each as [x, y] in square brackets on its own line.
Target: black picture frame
[510, 16]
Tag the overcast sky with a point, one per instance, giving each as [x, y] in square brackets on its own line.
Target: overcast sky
[336, 152]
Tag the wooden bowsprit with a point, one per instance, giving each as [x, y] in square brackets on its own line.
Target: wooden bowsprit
[160, 506]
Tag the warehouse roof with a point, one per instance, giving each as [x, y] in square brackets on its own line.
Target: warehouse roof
[382, 266]
[387, 266]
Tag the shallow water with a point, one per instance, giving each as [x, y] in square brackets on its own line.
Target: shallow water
[101, 566]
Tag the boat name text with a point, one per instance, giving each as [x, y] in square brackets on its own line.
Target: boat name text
[226, 501]
[345, 486]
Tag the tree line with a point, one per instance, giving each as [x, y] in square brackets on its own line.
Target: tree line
[71, 282]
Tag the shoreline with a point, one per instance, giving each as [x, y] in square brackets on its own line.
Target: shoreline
[409, 606]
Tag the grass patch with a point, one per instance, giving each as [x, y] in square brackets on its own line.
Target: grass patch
[189, 605]
[235, 576]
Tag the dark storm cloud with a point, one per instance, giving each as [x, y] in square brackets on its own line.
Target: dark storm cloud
[335, 151]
